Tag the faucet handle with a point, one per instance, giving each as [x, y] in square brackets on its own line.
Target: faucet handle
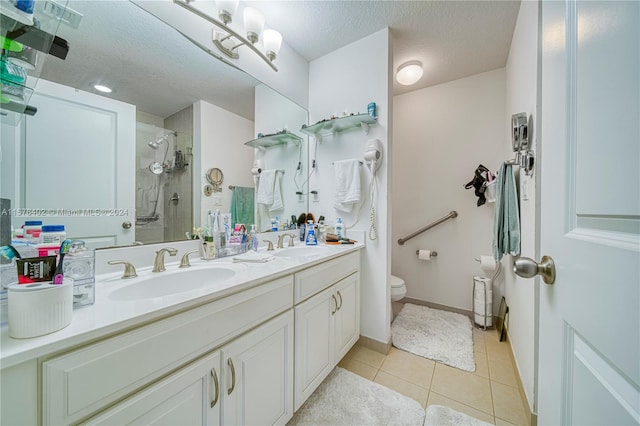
[184, 262]
[292, 239]
[270, 246]
[129, 269]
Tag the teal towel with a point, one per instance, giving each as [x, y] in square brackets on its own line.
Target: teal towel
[506, 223]
[242, 202]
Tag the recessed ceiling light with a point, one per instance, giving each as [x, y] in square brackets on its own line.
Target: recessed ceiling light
[409, 73]
[101, 88]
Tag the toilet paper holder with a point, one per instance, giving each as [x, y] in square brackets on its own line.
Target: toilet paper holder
[432, 254]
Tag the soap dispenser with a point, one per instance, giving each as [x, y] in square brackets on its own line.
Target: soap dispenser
[311, 239]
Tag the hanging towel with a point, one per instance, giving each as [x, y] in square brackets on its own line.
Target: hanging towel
[242, 201]
[506, 223]
[346, 179]
[269, 192]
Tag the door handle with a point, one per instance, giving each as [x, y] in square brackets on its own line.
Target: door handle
[216, 387]
[340, 306]
[333, 296]
[233, 376]
[529, 268]
[126, 224]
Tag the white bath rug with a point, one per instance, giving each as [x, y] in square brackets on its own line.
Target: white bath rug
[439, 415]
[344, 398]
[439, 335]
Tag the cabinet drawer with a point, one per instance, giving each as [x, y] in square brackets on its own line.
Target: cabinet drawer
[312, 280]
[83, 381]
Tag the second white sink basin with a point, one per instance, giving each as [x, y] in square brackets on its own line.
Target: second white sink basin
[161, 284]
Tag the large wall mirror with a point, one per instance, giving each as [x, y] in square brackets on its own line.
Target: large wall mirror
[131, 165]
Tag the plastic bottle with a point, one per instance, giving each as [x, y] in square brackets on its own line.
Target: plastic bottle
[339, 228]
[253, 239]
[274, 224]
[53, 234]
[311, 239]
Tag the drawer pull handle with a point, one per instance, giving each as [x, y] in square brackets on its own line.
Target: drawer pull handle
[333, 296]
[340, 296]
[216, 387]
[233, 376]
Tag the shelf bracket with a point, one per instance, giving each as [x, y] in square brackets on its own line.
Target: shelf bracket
[365, 128]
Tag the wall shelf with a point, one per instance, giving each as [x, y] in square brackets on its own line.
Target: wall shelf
[19, 30]
[337, 125]
[281, 138]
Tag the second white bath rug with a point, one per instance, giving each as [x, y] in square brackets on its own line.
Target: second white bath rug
[344, 398]
[439, 415]
[443, 336]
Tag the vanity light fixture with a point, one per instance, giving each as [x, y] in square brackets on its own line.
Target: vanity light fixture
[409, 73]
[102, 88]
[227, 40]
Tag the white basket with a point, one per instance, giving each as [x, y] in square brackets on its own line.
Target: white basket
[490, 191]
[40, 308]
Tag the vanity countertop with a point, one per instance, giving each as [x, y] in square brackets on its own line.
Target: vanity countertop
[108, 316]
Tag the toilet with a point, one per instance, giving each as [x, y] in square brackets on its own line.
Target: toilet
[398, 288]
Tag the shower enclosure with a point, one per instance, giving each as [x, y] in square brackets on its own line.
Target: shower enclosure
[164, 206]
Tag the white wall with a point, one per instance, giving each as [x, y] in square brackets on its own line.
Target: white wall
[274, 112]
[346, 80]
[521, 92]
[441, 134]
[218, 141]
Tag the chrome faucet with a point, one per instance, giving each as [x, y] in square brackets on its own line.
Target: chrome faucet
[281, 238]
[158, 263]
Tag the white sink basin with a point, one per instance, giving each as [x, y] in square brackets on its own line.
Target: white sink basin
[301, 251]
[161, 284]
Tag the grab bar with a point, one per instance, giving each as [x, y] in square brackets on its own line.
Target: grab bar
[451, 215]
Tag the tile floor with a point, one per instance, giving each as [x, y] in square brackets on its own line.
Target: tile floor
[490, 393]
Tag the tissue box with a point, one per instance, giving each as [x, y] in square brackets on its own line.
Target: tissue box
[80, 266]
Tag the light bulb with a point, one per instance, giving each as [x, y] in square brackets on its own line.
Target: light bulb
[226, 9]
[253, 23]
[272, 42]
[409, 73]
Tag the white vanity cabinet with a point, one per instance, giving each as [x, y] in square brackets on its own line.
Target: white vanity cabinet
[327, 324]
[248, 381]
[81, 383]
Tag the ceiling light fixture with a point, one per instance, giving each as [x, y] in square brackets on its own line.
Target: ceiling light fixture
[228, 40]
[409, 73]
[102, 88]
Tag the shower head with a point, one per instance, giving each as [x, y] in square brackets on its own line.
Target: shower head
[156, 143]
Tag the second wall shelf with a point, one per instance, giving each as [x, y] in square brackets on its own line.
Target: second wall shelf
[337, 125]
[275, 139]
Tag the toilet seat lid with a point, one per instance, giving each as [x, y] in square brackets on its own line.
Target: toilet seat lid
[396, 282]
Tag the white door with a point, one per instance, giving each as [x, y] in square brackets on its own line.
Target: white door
[314, 341]
[589, 319]
[258, 382]
[347, 321]
[190, 396]
[80, 164]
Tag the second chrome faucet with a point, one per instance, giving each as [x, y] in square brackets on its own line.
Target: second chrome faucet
[158, 263]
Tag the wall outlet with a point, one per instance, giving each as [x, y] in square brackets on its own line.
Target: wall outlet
[217, 201]
[314, 196]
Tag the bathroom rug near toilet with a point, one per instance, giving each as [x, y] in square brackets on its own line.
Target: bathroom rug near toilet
[344, 398]
[442, 336]
[439, 415]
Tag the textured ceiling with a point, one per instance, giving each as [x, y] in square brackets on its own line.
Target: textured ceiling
[453, 39]
[148, 63]
[154, 67]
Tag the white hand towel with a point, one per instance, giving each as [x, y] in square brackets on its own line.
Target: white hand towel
[269, 192]
[254, 257]
[346, 179]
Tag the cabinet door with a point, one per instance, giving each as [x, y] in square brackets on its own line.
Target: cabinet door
[258, 375]
[347, 317]
[314, 340]
[190, 396]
